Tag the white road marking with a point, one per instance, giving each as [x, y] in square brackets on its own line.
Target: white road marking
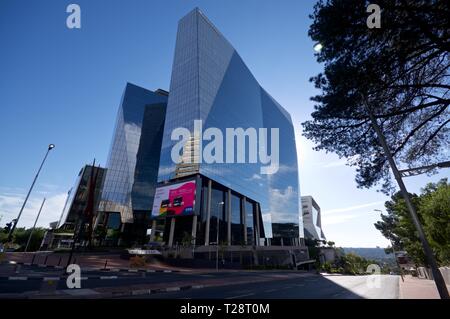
[17, 278]
[270, 290]
[240, 296]
[198, 287]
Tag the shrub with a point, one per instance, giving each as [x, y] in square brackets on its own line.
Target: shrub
[137, 261]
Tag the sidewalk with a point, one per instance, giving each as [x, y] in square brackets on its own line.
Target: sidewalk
[415, 288]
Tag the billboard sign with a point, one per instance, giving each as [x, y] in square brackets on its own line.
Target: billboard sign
[174, 200]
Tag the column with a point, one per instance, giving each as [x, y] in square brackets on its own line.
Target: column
[122, 228]
[172, 231]
[257, 213]
[153, 233]
[208, 212]
[229, 217]
[98, 217]
[194, 229]
[244, 218]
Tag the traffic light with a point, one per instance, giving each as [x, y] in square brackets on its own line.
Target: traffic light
[7, 227]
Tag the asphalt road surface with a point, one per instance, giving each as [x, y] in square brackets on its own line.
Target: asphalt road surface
[320, 287]
[123, 279]
[287, 285]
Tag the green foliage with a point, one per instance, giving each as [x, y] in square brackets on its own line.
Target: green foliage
[354, 264]
[186, 241]
[137, 261]
[433, 209]
[3, 237]
[100, 233]
[313, 248]
[113, 233]
[400, 71]
[328, 267]
[21, 235]
[349, 264]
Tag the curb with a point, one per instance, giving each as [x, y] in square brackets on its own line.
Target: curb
[100, 269]
[143, 292]
[100, 295]
[54, 278]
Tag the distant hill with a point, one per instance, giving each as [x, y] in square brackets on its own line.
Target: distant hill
[369, 253]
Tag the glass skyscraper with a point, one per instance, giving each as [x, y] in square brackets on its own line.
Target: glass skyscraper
[133, 160]
[76, 201]
[210, 82]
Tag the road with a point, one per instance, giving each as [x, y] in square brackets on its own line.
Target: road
[314, 287]
[246, 284]
[91, 279]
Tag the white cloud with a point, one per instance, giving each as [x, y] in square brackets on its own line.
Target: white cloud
[48, 186]
[337, 219]
[350, 208]
[10, 205]
[163, 170]
[282, 204]
[11, 189]
[341, 162]
[338, 163]
[286, 169]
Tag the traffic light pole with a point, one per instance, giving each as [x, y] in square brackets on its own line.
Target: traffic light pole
[438, 279]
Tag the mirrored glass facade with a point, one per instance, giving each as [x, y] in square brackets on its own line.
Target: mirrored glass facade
[133, 159]
[210, 82]
[78, 195]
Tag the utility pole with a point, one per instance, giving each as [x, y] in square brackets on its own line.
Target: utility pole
[34, 226]
[438, 279]
[50, 147]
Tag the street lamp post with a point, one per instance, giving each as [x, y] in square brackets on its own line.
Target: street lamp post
[34, 226]
[50, 147]
[217, 236]
[438, 279]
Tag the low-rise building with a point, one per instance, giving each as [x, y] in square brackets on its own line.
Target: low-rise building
[312, 220]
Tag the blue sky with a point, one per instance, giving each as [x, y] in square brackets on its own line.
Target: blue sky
[63, 86]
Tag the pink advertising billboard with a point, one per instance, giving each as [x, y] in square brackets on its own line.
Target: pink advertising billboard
[174, 200]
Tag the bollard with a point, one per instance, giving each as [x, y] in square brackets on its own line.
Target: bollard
[45, 260]
[59, 261]
[32, 260]
[106, 262]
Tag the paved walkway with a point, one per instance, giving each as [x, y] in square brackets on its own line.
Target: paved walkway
[416, 288]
